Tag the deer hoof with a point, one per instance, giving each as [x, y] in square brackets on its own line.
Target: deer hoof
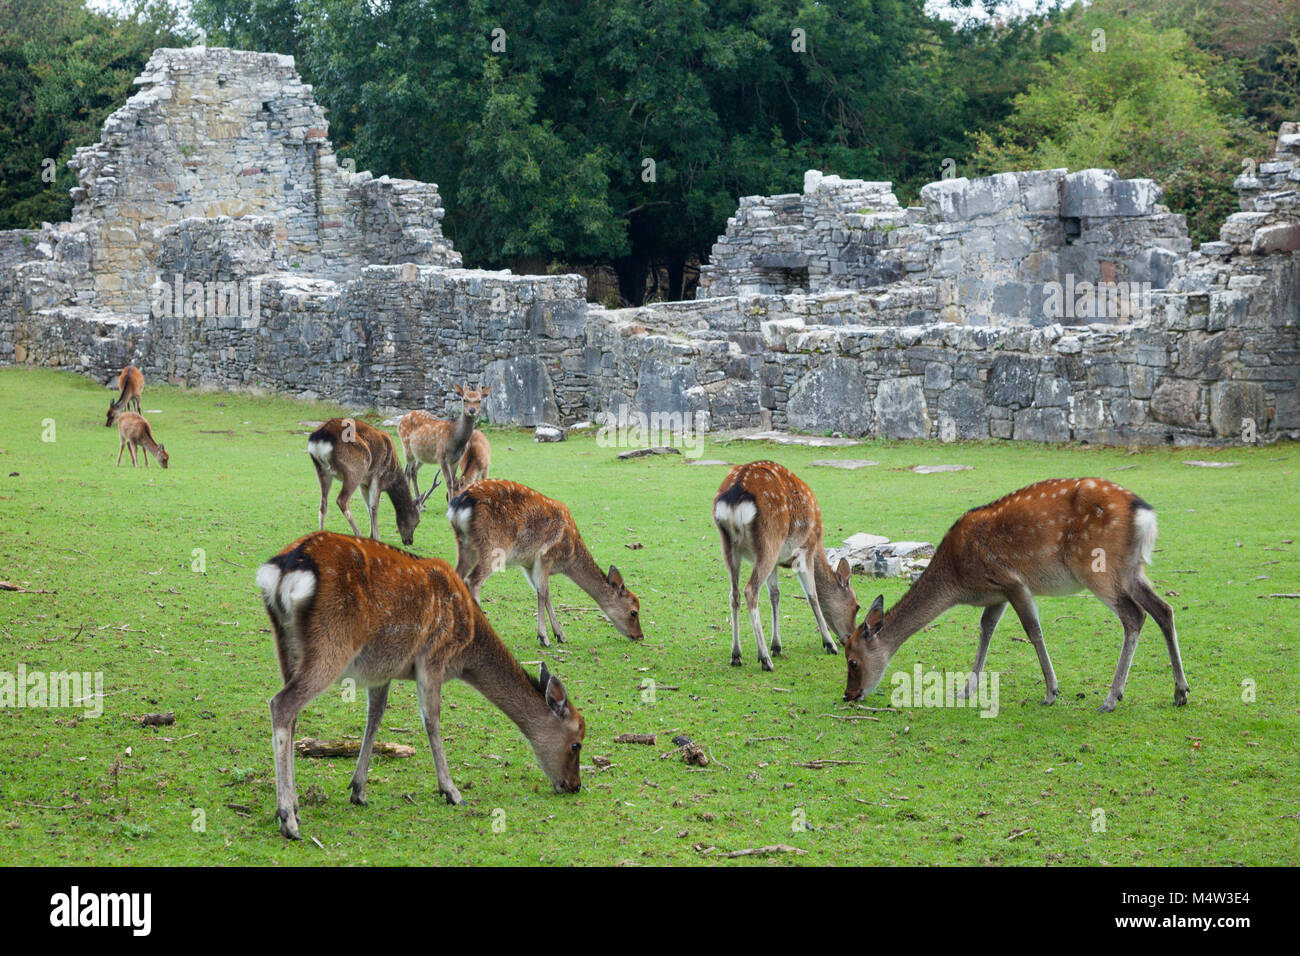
[767, 664]
[1106, 707]
[542, 639]
[289, 825]
[358, 795]
[1180, 697]
[1050, 698]
[736, 660]
[453, 797]
[830, 649]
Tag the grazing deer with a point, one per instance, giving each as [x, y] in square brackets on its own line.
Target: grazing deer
[440, 441]
[767, 515]
[1055, 537]
[131, 385]
[134, 432]
[475, 462]
[502, 524]
[350, 607]
[362, 456]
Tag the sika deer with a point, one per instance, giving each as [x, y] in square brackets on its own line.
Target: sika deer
[475, 462]
[134, 432]
[767, 515]
[1055, 537]
[131, 384]
[350, 607]
[365, 457]
[444, 442]
[502, 524]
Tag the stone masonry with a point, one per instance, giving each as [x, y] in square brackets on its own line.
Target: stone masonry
[217, 241]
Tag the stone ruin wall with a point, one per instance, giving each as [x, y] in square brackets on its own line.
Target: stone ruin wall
[834, 309]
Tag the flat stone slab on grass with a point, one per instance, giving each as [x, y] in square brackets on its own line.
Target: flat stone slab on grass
[935, 469]
[706, 461]
[1197, 463]
[786, 438]
[849, 464]
[643, 452]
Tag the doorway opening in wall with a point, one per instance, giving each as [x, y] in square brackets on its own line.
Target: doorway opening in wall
[784, 281]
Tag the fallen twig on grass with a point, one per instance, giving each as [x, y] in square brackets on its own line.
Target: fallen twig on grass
[1016, 834]
[821, 764]
[852, 717]
[311, 747]
[1280, 596]
[9, 586]
[757, 851]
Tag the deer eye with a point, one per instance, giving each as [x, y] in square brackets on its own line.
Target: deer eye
[853, 665]
[577, 747]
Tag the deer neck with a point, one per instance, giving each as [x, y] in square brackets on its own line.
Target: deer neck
[460, 434]
[822, 573]
[583, 571]
[489, 667]
[399, 492]
[931, 595]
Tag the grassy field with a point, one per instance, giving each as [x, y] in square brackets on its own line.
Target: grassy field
[1215, 782]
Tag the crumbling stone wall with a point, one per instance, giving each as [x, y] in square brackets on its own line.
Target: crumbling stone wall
[216, 242]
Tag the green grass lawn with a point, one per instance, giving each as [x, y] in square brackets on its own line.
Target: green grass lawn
[1215, 782]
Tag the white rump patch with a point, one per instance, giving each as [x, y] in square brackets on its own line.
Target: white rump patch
[1144, 531]
[460, 517]
[320, 450]
[268, 577]
[735, 518]
[296, 587]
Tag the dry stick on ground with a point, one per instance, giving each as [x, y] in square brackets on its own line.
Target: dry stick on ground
[820, 763]
[311, 747]
[9, 586]
[852, 717]
[1019, 833]
[759, 851]
[1262, 595]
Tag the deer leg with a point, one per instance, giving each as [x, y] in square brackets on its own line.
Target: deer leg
[372, 495]
[1132, 616]
[808, 581]
[544, 594]
[121, 448]
[988, 623]
[412, 475]
[764, 565]
[300, 690]
[144, 453]
[326, 479]
[345, 495]
[1163, 615]
[376, 703]
[1023, 601]
[774, 593]
[430, 690]
[732, 561]
[130, 447]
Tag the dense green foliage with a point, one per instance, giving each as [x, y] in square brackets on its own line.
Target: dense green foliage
[1214, 782]
[537, 120]
[63, 69]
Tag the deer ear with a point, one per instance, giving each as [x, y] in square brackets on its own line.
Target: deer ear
[556, 698]
[458, 390]
[875, 615]
[842, 572]
[614, 578]
[483, 391]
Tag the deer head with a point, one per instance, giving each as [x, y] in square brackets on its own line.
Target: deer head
[867, 656]
[624, 610]
[557, 742]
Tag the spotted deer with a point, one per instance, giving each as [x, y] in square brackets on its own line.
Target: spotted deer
[1055, 537]
[502, 524]
[767, 515]
[444, 442]
[364, 457]
[134, 433]
[346, 607]
[131, 386]
[476, 461]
